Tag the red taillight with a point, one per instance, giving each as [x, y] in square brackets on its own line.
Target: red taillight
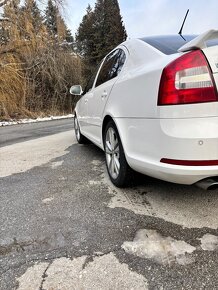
[186, 80]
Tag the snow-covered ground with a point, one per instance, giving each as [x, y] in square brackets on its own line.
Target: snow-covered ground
[26, 121]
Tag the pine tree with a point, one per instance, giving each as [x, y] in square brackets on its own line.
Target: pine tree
[109, 28]
[85, 42]
[69, 36]
[51, 14]
[34, 15]
[100, 31]
[116, 31]
[56, 25]
[85, 35]
[13, 28]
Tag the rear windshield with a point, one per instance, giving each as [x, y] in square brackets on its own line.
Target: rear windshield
[171, 43]
[168, 44]
[212, 42]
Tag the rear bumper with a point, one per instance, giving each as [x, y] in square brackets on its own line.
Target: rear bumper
[174, 173]
[147, 141]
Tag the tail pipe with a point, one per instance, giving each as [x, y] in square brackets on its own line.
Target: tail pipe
[208, 183]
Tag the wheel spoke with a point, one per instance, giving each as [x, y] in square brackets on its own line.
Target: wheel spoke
[116, 147]
[112, 151]
[108, 156]
[108, 148]
[117, 165]
[111, 166]
[111, 138]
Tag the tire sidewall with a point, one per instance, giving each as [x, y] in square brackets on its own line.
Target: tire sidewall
[121, 178]
[76, 120]
[82, 139]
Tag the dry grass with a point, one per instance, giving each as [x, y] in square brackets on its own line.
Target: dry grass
[12, 87]
[41, 84]
[36, 72]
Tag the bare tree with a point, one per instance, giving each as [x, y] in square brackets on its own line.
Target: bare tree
[36, 69]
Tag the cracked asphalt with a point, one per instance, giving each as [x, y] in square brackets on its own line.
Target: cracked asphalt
[63, 225]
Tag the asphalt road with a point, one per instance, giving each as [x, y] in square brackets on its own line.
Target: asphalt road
[24, 132]
[63, 225]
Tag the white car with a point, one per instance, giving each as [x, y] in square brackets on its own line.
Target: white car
[152, 106]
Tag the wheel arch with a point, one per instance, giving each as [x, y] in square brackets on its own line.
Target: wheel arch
[128, 170]
[108, 118]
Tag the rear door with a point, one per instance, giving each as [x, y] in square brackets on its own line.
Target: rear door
[82, 112]
[106, 78]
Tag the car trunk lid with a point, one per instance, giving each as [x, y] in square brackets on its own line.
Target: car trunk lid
[208, 44]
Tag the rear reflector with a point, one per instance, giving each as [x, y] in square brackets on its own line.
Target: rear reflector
[186, 80]
[190, 162]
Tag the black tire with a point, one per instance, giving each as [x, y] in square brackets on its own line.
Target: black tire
[79, 137]
[124, 176]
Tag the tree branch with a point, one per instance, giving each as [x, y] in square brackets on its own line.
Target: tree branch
[5, 19]
[2, 3]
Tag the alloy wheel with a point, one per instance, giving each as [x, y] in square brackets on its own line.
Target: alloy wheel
[112, 151]
[77, 131]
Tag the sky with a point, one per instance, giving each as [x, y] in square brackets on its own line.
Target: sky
[154, 17]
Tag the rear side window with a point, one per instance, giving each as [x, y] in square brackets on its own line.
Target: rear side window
[111, 67]
[91, 80]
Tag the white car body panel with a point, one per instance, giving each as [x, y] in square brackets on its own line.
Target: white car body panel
[96, 105]
[212, 57]
[146, 141]
[149, 132]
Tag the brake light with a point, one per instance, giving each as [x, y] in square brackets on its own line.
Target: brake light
[186, 80]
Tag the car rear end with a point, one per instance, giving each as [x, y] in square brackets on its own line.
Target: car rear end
[188, 113]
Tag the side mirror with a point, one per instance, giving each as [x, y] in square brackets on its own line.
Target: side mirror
[76, 90]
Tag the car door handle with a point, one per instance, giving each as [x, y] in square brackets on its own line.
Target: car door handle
[86, 101]
[104, 95]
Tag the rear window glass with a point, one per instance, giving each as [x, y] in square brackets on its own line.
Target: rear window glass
[212, 42]
[168, 44]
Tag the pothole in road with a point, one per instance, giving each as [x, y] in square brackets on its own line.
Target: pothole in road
[104, 272]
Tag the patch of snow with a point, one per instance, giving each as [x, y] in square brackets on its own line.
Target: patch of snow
[27, 121]
[150, 244]
[56, 164]
[209, 242]
[93, 182]
[47, 200]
